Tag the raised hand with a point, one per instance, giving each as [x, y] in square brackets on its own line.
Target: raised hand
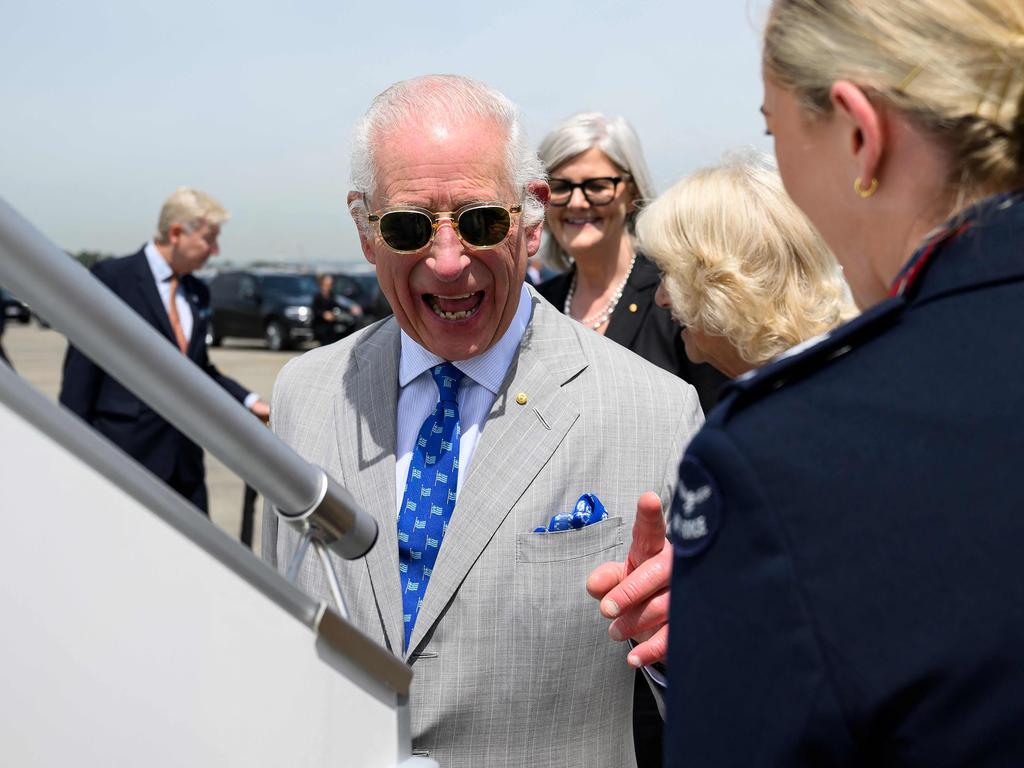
[635, 593]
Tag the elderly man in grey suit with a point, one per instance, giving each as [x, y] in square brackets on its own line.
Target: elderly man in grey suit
[469, 424]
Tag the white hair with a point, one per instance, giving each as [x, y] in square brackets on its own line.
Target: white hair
[616, 138]
[452, 96]
[191, 208]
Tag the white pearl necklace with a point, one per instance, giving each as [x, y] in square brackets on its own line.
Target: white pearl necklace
[596, 321]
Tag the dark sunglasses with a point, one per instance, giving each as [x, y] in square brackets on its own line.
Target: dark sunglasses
[600, 191]
[408, 229]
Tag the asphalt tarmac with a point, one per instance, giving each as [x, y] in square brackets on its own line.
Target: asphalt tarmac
[37, 354]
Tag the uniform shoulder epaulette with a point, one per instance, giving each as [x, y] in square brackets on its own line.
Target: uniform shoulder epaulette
[805, 358]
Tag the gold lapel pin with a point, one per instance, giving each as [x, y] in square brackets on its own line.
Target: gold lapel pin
[521, 398]
[632, 307]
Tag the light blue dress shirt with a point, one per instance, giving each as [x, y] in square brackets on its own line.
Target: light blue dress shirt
[418, 394]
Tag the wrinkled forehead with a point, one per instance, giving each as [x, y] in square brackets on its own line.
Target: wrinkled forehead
[441, 160]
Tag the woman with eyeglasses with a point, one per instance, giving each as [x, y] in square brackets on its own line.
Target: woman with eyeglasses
[847, 587]
[599, 180]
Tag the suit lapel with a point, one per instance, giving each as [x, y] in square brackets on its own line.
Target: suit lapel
[364, 411]
[516, 443]
[634, 304]
[151, 296]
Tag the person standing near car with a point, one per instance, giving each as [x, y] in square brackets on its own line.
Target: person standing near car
[157, 282]
[325, 312]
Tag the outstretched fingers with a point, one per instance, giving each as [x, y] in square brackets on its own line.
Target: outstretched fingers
[649, 578]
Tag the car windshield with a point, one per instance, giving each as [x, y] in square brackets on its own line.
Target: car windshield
[367, 282]
[291, 285]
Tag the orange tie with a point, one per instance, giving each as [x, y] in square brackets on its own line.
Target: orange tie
[172, 313]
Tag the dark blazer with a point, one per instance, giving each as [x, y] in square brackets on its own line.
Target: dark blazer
[847, 586]
[3, 319]
[117, 413]
[645, 328]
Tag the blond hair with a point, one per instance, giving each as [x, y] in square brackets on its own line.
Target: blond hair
[739, 259]
[954, 67]
[191, 208]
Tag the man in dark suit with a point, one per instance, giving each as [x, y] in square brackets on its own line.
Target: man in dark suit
[3, 319]
[157, 283]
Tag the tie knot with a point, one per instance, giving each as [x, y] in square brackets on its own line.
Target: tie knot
[447, 377]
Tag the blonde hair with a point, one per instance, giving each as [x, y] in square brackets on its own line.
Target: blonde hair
[616, 138]
[954, 67]
[191, 208]
[739, 259]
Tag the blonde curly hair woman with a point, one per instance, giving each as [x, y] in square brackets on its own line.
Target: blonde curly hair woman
[743, 270]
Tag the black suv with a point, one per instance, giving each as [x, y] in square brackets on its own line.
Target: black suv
[361, 286]
[274, 305]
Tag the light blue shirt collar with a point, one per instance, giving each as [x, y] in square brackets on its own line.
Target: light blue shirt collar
[487, 369]
[157, 263]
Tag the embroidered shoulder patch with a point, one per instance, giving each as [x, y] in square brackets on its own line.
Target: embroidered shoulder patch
[696, 510]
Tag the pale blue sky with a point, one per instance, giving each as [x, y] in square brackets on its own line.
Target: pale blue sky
[108, 106]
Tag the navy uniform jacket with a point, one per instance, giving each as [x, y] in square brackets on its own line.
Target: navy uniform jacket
[642, 326]
[117, 413]
[848, 585]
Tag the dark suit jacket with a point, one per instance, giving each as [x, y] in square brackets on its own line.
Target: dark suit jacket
[3, 319]
[112, 409]
[847, 585]
[645, 328]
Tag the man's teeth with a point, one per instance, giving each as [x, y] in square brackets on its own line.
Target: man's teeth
[453, 315]
[461, 314]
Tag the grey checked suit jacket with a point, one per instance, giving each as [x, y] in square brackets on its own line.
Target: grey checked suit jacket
[513, 664]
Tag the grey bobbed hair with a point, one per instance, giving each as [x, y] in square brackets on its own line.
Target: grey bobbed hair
[616, 138]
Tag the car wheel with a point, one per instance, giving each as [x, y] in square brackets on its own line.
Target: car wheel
[213, 339]
[274, 335]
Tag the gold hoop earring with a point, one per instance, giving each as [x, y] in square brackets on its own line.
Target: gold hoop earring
[865, 193]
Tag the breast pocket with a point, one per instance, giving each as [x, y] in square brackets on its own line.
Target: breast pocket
[574, 544]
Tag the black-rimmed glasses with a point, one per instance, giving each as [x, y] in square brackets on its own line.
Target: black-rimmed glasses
[600, 191]
[408, 229]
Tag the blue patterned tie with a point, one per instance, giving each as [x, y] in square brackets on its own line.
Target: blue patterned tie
[429, 494]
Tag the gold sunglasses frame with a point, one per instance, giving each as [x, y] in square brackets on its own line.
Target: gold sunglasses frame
[436, 217]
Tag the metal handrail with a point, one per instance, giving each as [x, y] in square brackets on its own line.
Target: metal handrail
[113, 336]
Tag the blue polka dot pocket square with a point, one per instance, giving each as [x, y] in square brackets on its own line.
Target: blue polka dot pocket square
[587, 511]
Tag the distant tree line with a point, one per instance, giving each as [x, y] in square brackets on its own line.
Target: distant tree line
[88, 259]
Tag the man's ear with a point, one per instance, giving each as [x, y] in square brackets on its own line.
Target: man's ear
[540, 191]
[174, 233]
[865, 129]
[357, 210]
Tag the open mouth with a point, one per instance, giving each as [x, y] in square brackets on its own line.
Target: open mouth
[581, 221]
[453, 308]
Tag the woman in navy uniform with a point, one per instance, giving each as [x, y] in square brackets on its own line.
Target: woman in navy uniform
[847, 586]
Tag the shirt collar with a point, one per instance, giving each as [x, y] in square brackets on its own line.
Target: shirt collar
[157, 263]
[487, 369]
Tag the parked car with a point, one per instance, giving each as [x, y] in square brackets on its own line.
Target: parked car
[361, 286]
[13, 308]
[274, 305]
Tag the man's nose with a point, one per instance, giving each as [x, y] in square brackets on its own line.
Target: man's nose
[446, 257]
